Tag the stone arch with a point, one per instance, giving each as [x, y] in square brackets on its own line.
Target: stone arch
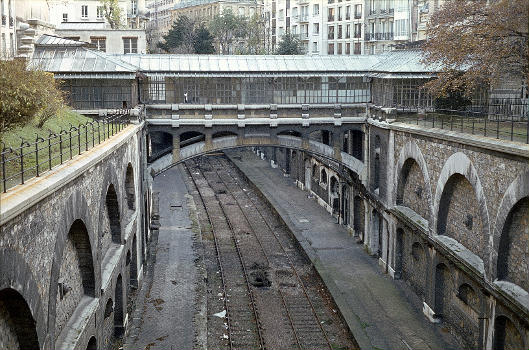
[506, 335]
[76, 274]
[468, 296]
[75, 208]
[130, 189]
[359, 217]
[516, 191]
[441, 289]
[112, 209]
[92, 344]
[18, 325]
[411, 151]
[118, 309]
[399, 252]
[188, 138]
[17, 280]
[458, 169]
[323, 176]
[224, 133]
[159, 143]
[292, 133]
[108, 323]
[334, 185]
[513, 258]
[133, 275]
[322, 134]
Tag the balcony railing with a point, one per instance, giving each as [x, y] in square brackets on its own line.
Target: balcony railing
[358, 15]
[383, 36]
[304, 36]
[330, 18]
[369, 36]
[372, 12]
[304, 18]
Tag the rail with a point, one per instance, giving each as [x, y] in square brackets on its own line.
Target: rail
[33, 158]
[494, 121]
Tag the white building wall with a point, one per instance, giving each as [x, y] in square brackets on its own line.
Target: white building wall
[8, 42]
[114, 39]
[74, 11]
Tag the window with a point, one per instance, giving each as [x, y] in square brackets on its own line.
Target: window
[339, 49]
[281, 14]
[99, 43]
[401, 27]
[316, 28]
[358, 11]
[330, 16]
[100, 12]
[330, 49]
[339, 32]
[316, 9]
[130, 45]
[315, 46]
[330, 34]
[348, 31]
[340, 13]
[241, 11]
[358, 49]
[347, 13]
[84, 11]
[348, 48]
[294, 30]
[358, 30]
[134, 7]
[65, 17]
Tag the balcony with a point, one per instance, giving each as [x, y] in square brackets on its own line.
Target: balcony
[384, 36]
[304, 36]
[369, 36]
[372, 12]
[358, 15]
[304, 18]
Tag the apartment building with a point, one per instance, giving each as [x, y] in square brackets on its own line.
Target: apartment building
[8, 41]
[350, 27]
[204, 10]
[160, 12]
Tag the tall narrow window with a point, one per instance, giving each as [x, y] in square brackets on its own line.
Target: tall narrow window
[65, 17]
[100, 12]
[84, 11]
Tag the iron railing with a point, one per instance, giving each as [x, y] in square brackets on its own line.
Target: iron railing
[500, 122]
[33, 158]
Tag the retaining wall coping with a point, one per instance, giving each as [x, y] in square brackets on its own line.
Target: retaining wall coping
[22, 197]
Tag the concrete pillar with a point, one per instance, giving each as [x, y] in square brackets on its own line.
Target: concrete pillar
[176, 148]
[208, 144]
[336, 145]
[305, 141]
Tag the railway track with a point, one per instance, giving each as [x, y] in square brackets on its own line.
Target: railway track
[242, 322]
[286, 313]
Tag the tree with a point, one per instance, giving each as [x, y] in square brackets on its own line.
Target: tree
[289, 45]
[256, 32]
[203, 43]
[180, 38]
[477, 42]
[227, 28]
[112, 12]
[26, 95]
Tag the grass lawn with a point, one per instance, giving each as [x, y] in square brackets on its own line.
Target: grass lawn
[50, 151]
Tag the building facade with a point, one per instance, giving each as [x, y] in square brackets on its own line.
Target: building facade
[8, 44]
[350, 27]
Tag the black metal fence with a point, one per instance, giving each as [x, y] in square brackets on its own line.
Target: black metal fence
[505, 121]
[33, 158]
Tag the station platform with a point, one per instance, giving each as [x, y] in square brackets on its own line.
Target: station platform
[382, 313]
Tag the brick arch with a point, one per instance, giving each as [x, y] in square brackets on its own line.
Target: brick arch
[16, 276]
[412, 151]
[517, 190]
[76, 208]
[460, 165]
[505, 328]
